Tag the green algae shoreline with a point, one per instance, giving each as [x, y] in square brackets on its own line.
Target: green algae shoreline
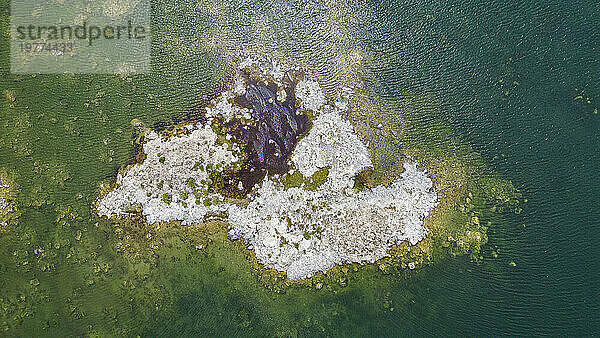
[471, 196]
[454, 228]
[457, 226]
[129, 261]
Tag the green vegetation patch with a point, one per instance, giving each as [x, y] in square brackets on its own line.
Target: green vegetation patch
[296, 179]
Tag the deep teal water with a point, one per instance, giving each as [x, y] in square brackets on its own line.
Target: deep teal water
[536, 134]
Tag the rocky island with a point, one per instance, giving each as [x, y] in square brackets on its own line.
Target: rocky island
[280, 164]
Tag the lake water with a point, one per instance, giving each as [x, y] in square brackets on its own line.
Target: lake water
[518, 82]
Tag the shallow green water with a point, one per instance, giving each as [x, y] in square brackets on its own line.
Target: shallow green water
[506, 77]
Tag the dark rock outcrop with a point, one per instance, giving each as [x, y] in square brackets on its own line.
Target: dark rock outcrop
[277, 126]
[269, 140]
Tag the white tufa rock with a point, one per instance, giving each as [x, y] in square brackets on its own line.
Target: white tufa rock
[266, 68]
[310, 95]
[332, 142]
[303, 232]
[239, 85]
[145, 184]
[5, 205]
[223, 106]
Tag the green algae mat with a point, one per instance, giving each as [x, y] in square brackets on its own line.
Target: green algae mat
[498, 102]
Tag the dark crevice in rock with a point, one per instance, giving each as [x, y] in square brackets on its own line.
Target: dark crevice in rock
[269, 141]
